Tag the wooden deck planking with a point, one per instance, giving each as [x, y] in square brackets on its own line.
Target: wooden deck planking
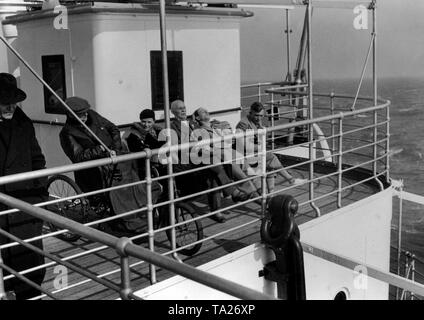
[107, 260]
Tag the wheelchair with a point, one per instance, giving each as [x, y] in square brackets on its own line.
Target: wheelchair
[84, 210]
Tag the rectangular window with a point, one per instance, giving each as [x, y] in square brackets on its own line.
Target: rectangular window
[175, 77]
[54, 74]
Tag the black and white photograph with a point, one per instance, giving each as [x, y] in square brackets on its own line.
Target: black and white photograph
[207, 156]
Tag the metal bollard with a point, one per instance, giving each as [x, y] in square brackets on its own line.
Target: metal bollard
[2, 289]
[280, 232]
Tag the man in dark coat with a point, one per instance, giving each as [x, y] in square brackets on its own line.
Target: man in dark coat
[79, 145]
[20, 152]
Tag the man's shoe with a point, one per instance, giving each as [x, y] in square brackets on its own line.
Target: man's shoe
[218, 218]
[297, 182]
[240, 196]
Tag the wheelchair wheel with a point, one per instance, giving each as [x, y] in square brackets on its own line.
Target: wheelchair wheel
[60, 186]
[188, 233]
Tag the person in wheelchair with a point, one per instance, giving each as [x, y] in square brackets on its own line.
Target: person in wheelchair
[80, 146]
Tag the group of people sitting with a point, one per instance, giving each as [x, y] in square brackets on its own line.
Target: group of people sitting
[20, 152]
[80, 146]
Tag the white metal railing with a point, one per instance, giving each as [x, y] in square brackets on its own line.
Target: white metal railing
[339, 172]
[407, 263]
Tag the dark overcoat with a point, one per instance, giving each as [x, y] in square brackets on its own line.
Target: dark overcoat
[21, 153]
[79, 145]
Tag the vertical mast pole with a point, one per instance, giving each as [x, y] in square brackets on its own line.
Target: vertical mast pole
[310, 108]
[374, 52]
[288, 31]
[375, 89]
[162, 16]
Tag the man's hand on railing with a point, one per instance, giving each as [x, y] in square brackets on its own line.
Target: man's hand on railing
[117, 175]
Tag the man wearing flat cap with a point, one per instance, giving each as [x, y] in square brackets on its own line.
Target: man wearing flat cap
[79, 145]
[20, 152]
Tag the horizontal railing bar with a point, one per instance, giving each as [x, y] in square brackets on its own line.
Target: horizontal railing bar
[107, 284]
[372, 272]
[137, 251]
[207, 191]
[196, 275]
[26, 280]
[282, 89]
[335, 96]
[365, 146]
[246, 86]
[364, 163]
[86, 194]
[215, 235]
[209, 214]
[143, 154]
[196, 219]
[173, 251]
[411, 197]
[114, 217]
[254, 96]
[342, 189]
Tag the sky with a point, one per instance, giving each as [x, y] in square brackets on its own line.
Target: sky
[339, 50]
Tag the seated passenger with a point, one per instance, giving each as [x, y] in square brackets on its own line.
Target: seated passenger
[253, 121]
[80, 146]
[142, 135]
[202, 118]
[183, 130]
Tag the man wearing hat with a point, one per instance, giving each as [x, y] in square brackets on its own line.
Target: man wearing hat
[79, 145]
[20, 152]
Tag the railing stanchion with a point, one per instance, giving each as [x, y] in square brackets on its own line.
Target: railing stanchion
[340, 163]
[375, 151]
[2, 288]
[262, 140]
[412, 273]
[259, 93]
[333, 127]
[399, 238]
[407, 269]
[288, 31]
[150, 224]
[387, 144]
[126, 290]
[272, 122]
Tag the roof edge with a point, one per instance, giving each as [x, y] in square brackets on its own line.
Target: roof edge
[95, 8]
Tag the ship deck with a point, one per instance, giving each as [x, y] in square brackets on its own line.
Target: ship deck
[107, 260]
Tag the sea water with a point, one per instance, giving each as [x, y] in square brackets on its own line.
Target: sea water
[406, 148]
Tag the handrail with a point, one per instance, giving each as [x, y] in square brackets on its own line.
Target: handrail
[126, 125]
[373, 272]
[175, 148]
[126, 247]
[48, 87]
[147, 154]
